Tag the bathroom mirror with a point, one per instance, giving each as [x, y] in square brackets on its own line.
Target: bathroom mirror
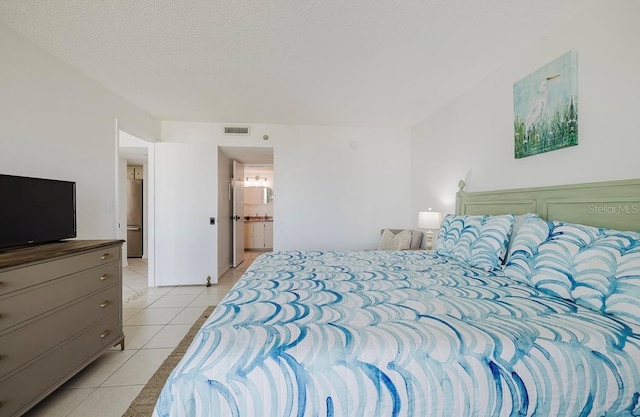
[258, 195]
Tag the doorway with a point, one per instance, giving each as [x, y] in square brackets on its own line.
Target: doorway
[133, 164]
[234, 227]
[258, 207]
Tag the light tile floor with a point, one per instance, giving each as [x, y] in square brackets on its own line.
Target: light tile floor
[155, 320]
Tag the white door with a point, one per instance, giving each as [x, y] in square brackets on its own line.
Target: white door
[186, 201]
[238, 213]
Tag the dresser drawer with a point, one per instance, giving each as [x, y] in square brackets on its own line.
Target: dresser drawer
[32, 340]
[14, 279]
[24, 389]
[24, 305]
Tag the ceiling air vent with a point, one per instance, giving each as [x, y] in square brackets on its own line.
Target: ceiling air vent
[236, 130]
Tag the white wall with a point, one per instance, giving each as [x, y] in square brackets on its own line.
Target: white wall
[472, 137]
[56, 122]
[336, 187]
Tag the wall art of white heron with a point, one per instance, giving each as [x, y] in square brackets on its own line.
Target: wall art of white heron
[545, 107]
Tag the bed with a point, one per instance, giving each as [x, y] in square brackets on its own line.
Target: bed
[518, 312]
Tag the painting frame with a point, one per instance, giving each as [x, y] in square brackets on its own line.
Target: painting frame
[545, 105]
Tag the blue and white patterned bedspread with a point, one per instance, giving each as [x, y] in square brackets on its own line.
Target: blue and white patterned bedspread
[400, 334]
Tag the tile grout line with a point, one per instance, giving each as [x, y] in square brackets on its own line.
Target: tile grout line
[78, 405]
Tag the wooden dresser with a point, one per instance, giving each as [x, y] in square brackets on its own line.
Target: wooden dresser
[60, 308]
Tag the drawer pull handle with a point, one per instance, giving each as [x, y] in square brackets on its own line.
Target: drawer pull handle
[105, 334]
[105, 256]
[105, 277]
[105, 304]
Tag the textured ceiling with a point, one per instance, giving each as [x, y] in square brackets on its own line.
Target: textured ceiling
[329, 62]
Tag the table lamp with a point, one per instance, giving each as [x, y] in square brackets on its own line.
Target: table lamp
[429, 220]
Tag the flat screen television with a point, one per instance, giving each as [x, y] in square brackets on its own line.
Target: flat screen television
[36, 210]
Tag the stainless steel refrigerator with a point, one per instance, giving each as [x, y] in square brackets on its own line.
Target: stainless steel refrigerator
[134, 218]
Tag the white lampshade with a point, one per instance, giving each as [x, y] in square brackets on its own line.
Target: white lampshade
[429, 220]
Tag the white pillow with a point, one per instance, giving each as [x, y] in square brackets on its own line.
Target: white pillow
[389, 241]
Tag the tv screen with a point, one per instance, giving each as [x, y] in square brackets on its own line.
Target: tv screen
[36, 210]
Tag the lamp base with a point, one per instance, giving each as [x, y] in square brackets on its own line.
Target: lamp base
[429, 240]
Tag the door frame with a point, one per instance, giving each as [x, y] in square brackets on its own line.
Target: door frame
[237, 213]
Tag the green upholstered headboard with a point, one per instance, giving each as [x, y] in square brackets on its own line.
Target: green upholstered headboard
[611, 204]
